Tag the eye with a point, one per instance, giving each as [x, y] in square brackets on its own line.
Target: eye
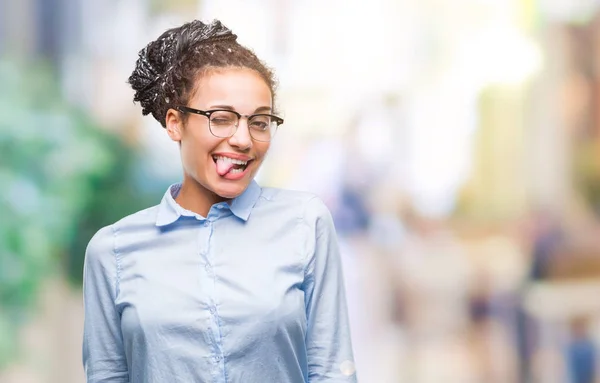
[260, 122]
[223, 118]
[259, 125]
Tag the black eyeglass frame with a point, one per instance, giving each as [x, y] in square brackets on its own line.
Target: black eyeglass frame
[207, 113]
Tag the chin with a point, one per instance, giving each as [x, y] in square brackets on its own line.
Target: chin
[230, 191]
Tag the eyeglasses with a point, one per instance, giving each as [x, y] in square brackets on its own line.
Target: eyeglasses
[223, 123]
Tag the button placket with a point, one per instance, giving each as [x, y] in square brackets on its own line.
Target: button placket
[210, 304]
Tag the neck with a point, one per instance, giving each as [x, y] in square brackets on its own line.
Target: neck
[196, 198]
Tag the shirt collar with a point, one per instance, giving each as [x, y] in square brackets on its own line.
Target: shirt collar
[169, 210]
[242, 205]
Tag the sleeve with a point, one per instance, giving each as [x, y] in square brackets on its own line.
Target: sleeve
[103, 352]
[329, 347]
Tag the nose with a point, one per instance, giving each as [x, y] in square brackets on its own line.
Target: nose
[241, 139]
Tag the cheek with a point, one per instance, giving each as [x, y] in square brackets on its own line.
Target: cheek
[194, 154]
[262, 149]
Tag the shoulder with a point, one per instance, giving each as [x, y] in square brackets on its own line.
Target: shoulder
[140, 218]
[103, 241]
[285, 195]
[99, 254]
[308, 206]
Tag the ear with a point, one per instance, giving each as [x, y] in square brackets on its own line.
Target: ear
[174, 125]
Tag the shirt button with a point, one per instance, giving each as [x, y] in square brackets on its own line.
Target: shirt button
[220, 206]
[206, 223]
[217, 358]
[207, 267]
[212, 310]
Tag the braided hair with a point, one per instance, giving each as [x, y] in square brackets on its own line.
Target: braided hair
[167, 68]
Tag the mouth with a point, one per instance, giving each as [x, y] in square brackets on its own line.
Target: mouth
[230, 166]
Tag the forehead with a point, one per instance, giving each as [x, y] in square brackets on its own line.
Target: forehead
[240, 88]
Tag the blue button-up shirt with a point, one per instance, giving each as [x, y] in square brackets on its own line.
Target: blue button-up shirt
[252, 293]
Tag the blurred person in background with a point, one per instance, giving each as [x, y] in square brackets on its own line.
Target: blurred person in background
[223, 280]
[546, 236]
[581, 352]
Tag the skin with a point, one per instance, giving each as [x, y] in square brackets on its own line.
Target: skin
[245, 92]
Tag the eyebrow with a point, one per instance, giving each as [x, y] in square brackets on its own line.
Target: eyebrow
[229, 107]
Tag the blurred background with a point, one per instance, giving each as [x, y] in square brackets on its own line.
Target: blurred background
[456, 142]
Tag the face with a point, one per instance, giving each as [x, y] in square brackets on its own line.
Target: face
[217, 164]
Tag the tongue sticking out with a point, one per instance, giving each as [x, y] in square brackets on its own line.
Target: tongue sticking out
[223, 167]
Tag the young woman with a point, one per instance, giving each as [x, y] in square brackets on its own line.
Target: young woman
[223, 281]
